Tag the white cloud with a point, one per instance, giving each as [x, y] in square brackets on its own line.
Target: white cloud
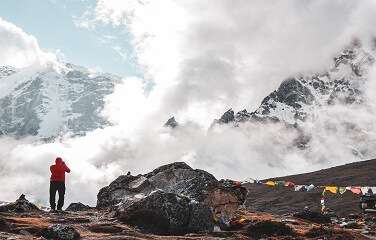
[19, 49]
[232, 54]
[207, 56]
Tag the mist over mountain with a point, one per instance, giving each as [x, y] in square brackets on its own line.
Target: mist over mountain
[301, 102]
[298, 98]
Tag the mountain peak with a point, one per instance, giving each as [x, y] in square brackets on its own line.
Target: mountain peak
[49, 101]
[296, 97]
[171, 122]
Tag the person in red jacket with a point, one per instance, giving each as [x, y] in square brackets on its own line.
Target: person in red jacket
[57, 183]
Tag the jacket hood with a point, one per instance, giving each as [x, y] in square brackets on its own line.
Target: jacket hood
[59, 160]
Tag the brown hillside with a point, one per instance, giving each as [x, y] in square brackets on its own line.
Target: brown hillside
[285, 200]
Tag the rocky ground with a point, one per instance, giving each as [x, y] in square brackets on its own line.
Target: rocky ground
[94, 224]
[178, 202]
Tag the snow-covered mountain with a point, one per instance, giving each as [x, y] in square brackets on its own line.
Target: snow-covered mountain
[299, 97]
[322, 108]
[51, 100]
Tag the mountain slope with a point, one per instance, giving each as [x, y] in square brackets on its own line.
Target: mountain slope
[47, 101]
[285, 200]
[329, 113]
[298, 97]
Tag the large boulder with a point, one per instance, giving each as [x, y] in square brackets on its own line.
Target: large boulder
[226, 199]
[20, 205]
[176, 178]
[181, 179]
[196, 189]
[167, 213]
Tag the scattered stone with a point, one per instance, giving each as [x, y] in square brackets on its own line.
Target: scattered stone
[75, 207]
[265, 229]
[61, 232]
[25, 233]
[20, 205]
[351, 225]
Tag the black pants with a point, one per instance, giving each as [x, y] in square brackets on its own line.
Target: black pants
[60, 188]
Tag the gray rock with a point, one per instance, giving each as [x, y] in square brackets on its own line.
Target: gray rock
[227, 117]
[61, 232]
[200, 218]
[172, 199]
[75, 207]
[172, 123]
[176, 178]
[181, 179]
[167, 213]
[117, 191]
[20, 205]
[243, 116]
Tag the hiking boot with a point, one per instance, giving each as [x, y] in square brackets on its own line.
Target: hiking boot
[52, 210]
[59, 210]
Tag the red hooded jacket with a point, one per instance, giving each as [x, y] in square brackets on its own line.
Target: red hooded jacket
[58, 170]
